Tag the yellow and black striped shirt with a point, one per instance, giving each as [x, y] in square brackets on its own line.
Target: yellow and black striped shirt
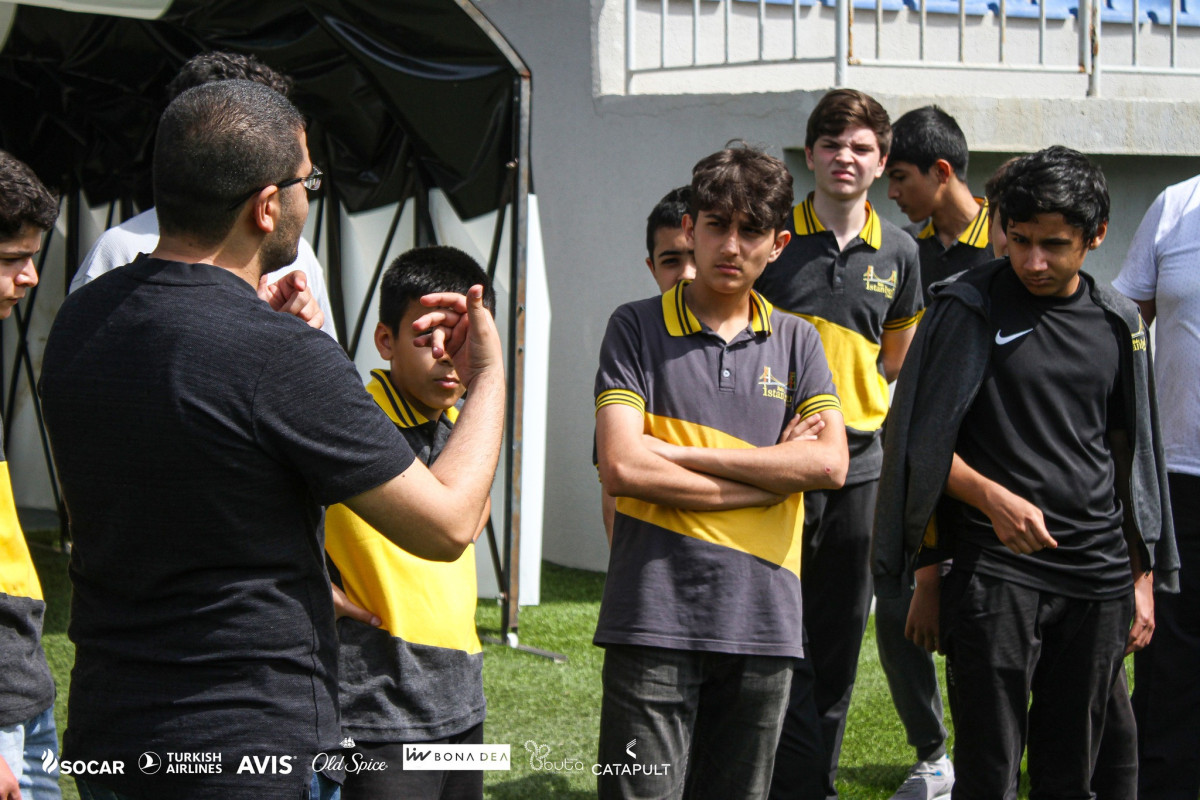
[851, 296]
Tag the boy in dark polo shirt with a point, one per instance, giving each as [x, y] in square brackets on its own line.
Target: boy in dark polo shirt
[668, 253]
[669, 259]
[855, 277]
[701, 615]
[27, 732]
[418, 677]
[927, 178]
[927, 171]
[1027, 403]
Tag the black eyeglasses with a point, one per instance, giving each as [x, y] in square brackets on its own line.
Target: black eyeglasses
[312, 182]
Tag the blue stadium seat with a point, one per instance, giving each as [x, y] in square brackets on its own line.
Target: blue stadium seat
[778, 2]
[1029, 9]
[974, 8]
[1159, 12]
[1121, 12]
[869, 5]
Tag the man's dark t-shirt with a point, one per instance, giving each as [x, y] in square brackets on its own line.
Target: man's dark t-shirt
[1039, 427]
[197, 433]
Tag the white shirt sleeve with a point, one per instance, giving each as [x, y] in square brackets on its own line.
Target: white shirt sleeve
[117, 247]
[1138, 279]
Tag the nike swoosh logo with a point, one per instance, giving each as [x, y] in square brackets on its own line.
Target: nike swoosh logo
[1011, 337]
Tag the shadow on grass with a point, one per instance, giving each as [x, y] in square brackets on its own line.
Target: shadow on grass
[539, 786]
[870, 776]
[565, 585]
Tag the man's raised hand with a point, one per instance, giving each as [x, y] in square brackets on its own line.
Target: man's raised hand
[291, 295]
[461, 327]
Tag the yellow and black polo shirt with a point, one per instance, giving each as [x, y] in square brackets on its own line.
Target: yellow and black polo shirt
[720, 581]
[420, 675]
[851, 296]
[971, 249]
[26, 686]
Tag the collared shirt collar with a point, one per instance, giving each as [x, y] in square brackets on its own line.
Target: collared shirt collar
[976, 234]
[399, 410]
[807, 223]
[680, 320]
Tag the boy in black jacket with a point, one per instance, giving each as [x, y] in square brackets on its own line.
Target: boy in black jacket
[1024, 417]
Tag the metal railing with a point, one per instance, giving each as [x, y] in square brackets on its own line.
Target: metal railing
[1080, 56]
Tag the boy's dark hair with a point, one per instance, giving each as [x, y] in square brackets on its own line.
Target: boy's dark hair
[23, 198]
[667, 214]
[743, 178]
[426, 270]
[995, 186]
[216, 143]
[1057, 180]
[846, 108]
[222, 66]
[924, 135]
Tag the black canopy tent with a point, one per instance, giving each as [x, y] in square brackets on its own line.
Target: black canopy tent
[401, 98]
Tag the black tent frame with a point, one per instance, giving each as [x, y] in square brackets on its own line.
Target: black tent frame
[513, 210]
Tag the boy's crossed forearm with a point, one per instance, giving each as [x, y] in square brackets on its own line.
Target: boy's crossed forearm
[798, 465]
[628, 468]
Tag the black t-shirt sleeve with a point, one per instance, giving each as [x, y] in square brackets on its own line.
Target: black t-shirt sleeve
[312, 412]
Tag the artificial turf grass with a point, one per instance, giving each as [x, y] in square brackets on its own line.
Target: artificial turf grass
[556, 705]
[534, 699]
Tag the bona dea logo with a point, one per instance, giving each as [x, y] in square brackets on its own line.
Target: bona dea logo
[52, 765]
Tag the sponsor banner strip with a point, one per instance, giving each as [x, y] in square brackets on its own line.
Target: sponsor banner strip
[456, 756]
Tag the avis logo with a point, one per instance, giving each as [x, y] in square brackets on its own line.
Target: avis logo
[265, 765]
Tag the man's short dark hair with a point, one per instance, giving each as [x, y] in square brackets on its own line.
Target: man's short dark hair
[924, 135]
[23, 198]
[667, 214]
[222, 66]
[1057, 180]
[217, 143]
[426, 270]
[847, 108]
[743, 178]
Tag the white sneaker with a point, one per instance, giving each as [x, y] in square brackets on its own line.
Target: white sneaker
[927, 780]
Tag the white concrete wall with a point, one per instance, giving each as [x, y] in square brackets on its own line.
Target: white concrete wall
[603, 157]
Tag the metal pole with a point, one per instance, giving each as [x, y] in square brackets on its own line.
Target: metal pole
[1004, 27]
[1090, 35]
[921, 33]
[962, 31]
[841, 52]
[725, 6]
[518, 254]
[1135, 31]
[662, 35]
[516, 356]
[630, 38]
[795, 28]
[762, 23]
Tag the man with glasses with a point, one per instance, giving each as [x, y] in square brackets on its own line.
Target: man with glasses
[197, 434]
[297, 288]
